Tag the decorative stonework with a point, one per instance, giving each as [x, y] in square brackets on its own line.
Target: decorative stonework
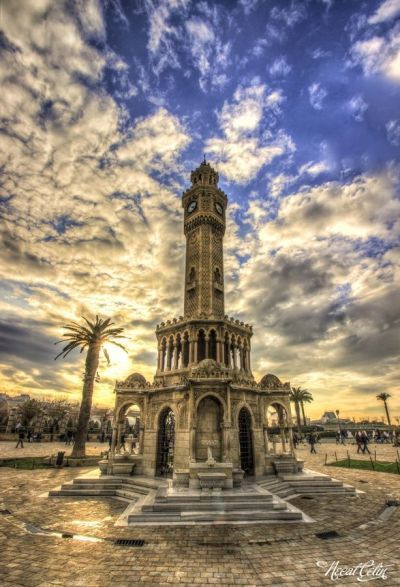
[203, 390]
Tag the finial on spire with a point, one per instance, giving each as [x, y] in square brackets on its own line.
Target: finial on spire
[204, 158]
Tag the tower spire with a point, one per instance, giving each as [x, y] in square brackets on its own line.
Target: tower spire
[204, 226]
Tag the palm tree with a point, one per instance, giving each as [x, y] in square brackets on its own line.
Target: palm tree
[295, 397]
[306, 398]
[384, 397]
[92, 337]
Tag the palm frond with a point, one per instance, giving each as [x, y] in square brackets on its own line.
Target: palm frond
[117, 344]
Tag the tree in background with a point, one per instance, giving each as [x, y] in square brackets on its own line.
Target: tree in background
[29, 410]
[384, 397]
[306, 398]
[295, 397]
[90, 337]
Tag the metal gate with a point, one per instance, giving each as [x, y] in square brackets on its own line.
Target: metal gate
[246, 442]
[165, 444]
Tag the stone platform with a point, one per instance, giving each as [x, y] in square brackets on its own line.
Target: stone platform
[158, 502]
[249, 504]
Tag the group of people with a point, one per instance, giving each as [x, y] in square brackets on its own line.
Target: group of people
[24, 434]
[362, 439]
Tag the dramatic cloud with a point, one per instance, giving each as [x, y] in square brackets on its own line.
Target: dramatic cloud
[357, 106]
[321, 282]
[379, 53]
[247, 145]
[386, 11]
[280, 67]
[104, 112]
[317, 95]
[84, 223]
[393, 132]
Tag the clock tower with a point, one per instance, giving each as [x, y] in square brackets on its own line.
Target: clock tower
[204, 207]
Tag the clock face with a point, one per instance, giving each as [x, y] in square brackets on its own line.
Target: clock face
[219, 208]
[192, 207]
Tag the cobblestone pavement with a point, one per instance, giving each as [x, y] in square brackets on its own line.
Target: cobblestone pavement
[270, 555]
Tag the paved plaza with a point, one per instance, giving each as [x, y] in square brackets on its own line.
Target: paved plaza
[35, 553]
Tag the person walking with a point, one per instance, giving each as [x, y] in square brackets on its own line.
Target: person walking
[364, 442]
[21, 436]
[359, 441]
[295, 440]
[122, 442]
[68, 437]
[312, 440]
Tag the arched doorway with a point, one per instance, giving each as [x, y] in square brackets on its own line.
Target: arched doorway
[165, 443]
[208, 430]
[246, 442]
[278, 428]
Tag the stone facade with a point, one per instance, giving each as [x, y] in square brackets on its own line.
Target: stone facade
[204, 397]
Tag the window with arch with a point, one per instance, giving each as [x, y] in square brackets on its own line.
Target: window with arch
[212, 345]
[201, 345]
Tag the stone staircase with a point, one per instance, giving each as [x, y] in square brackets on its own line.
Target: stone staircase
[249, 505]
[126, 488]
[307, 483]
[156, 502]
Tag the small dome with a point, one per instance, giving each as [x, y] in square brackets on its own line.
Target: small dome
[270, 381]
[135, 380]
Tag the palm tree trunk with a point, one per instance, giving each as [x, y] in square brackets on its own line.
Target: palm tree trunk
[387, 413]
[297, 409]
[304, 414]
[91, 365]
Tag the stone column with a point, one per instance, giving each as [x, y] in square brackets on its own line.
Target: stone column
[175, 357]
[266, 441]
[248, 358]
[281, 420]
[119, 434]
[192, 447]
[141, 438]
[160, 358]
[218, 350]
[195, 344]
[191, 351]
[226, 441]
[113, 440]
[234, 356]
[207, 347]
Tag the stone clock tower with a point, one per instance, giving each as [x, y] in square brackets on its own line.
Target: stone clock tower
[203, 396]
[203, 420]
[204, 226]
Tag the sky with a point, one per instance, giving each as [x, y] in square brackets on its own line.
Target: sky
[106, 107]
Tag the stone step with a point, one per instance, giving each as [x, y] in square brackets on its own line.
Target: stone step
[212, 516]
[242, 515]
[128, 493]
[89, 487]
[303, 477]
[225, 497]
[215, 507]
[81, 492]
[316, 484]
[283, 493]
[99, 484]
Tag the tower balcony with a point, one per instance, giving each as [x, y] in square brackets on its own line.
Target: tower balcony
[184, 343]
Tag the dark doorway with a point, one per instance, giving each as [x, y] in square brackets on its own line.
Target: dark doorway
[246, 442]
[165, 444]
